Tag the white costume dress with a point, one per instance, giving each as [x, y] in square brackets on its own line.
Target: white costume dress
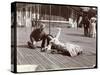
[73, 49]
[93, 27]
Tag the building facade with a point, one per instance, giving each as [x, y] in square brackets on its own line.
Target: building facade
[67, 15]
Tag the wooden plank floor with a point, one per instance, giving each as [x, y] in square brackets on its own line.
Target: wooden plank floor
[26, 56]
[47, 61]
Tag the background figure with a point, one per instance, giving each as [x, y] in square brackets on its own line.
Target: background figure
[86, 24]
[80, 21]
[92, 27]
[33, 22]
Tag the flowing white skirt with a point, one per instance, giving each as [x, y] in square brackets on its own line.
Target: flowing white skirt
[73, 49]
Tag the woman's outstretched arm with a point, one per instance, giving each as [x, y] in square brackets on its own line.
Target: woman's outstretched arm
[58, 34]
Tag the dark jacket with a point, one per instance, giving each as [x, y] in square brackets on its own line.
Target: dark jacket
[38, 35]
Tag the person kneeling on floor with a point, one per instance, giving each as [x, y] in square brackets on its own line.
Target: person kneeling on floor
[36, 36]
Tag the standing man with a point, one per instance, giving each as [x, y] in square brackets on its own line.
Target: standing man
[86, 24]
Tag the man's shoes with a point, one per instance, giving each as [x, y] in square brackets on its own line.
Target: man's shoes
[30, 45]
[43, 50]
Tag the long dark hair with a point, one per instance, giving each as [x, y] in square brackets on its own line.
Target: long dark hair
[49, 38]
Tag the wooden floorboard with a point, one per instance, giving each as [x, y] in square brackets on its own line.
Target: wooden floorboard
[47, 61]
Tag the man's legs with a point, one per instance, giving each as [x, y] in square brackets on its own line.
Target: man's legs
[43, 45]
[31, 43]
[86, 31]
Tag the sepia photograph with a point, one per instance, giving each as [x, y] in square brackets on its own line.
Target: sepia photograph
[53, 37]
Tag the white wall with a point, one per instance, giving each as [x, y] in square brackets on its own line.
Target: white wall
[5, 34]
